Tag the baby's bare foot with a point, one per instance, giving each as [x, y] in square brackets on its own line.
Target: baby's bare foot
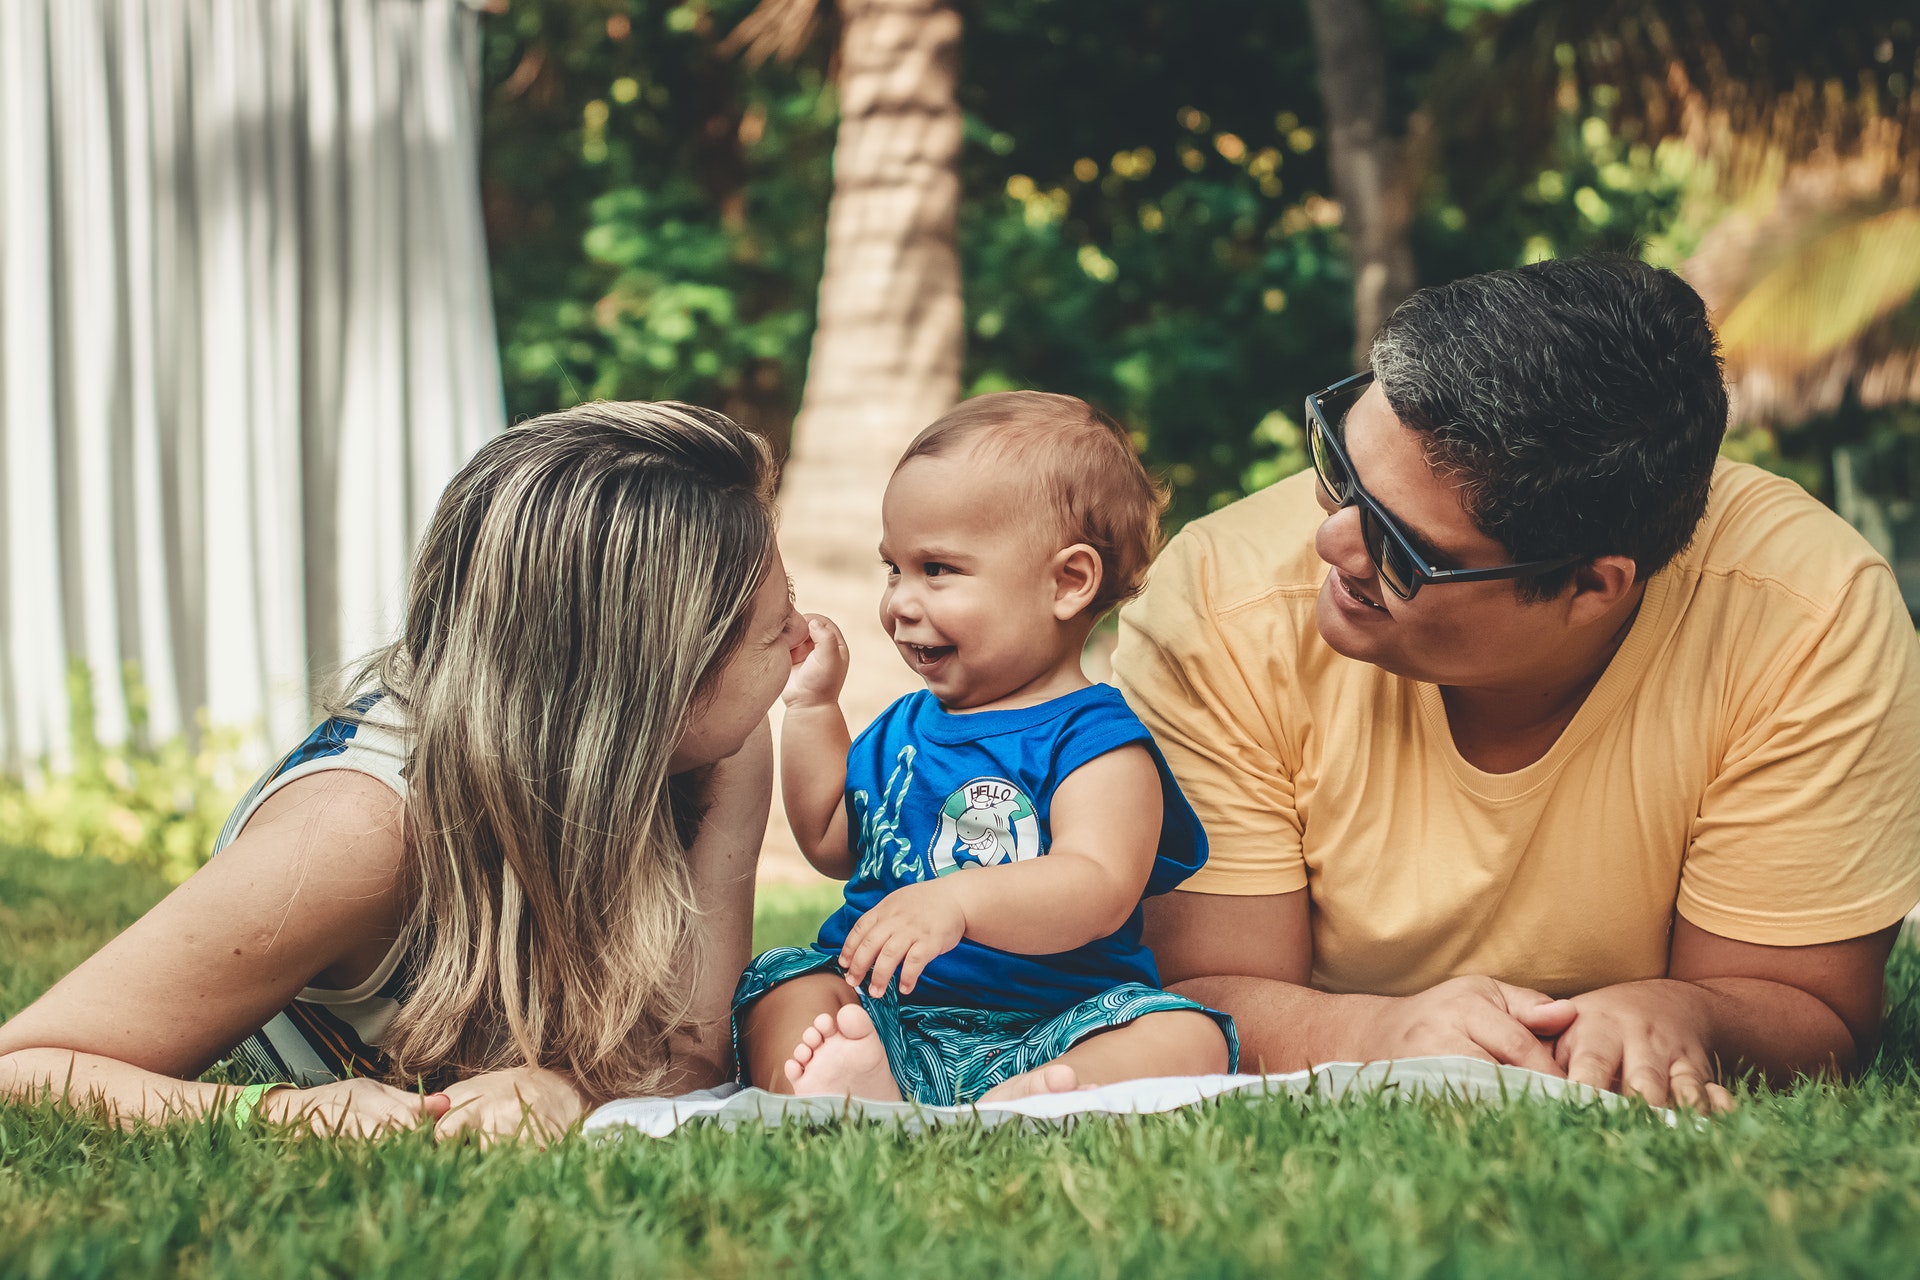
[841, 1055]
[1055, 1077]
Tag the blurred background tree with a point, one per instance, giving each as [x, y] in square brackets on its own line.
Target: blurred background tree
[1148, 217]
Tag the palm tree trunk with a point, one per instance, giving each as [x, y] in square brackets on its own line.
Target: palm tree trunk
[886, 353]
[1369, 163]
[887, 347]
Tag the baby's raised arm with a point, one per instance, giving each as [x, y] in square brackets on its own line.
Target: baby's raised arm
[813, 751]
[1106, 830]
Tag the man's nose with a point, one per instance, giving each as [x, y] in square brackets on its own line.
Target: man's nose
[1338, 542]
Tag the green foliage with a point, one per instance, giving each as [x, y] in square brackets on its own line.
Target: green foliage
[1145, 215]
[1166, 248]
[1814, 1180]
[155, 806]
[657, 211]
[790, 915]
[658, 217]
[1597, 189]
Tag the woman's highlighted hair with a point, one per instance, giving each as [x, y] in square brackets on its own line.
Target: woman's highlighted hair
[582, 580]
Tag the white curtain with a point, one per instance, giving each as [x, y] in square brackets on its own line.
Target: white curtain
[245, 338]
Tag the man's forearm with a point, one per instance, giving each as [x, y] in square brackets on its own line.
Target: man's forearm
[1284, 1027]
[1778, 1030]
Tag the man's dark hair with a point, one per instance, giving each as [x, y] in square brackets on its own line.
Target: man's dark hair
[1579, 403]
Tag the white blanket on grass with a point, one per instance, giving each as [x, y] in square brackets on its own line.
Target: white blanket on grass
[1461, 1078]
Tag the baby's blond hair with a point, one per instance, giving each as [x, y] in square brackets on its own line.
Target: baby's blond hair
[1080, 461]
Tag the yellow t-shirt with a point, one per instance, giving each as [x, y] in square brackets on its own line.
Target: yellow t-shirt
[1751, 756]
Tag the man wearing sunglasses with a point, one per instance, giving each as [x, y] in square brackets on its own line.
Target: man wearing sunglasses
[1524, 727]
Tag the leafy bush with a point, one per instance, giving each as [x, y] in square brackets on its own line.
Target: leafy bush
[154, 805]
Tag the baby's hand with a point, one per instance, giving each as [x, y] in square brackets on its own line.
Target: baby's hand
[822, 667]
[911, 926]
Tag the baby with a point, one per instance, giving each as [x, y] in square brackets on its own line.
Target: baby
[997, 831]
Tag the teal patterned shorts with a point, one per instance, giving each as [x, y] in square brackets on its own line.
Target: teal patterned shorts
[944, 1056]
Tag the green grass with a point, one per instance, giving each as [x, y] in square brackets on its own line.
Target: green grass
[1817, 1181]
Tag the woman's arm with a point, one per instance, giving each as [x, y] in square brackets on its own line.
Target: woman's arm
[1106, 829]
[311, 886]
[726, 855]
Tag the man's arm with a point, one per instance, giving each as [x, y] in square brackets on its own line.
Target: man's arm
[1788, 1011]
[1805, 834]
[1252, 957]
[1727, 1007]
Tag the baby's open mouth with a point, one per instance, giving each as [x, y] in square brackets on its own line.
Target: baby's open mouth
[925, 655]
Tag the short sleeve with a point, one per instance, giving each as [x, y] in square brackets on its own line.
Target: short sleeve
[1810, 831]
[1179, 672]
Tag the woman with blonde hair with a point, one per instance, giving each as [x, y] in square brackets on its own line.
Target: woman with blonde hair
[515, 869]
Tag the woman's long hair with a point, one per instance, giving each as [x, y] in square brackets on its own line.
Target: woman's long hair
[582, 580]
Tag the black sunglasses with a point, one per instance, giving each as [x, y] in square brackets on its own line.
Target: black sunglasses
[1402, 568]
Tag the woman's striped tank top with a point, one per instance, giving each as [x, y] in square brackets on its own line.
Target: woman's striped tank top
[326, 1034]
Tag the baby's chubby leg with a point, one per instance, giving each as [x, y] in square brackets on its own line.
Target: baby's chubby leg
[810, 1036]
[1174, 1042]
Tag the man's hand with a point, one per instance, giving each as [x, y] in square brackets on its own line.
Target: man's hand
[821, 670]
[1647, 1039]
[522, 1102]
[909, 927]
[1476, 1018]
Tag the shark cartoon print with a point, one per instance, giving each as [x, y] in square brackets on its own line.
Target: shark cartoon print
[986, 822]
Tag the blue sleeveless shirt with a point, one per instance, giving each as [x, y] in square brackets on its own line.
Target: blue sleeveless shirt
[931, 793]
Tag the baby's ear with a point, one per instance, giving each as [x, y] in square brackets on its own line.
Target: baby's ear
[1077, 574]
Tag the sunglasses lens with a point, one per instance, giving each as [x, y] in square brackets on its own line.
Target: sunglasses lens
[1388, 556]
[1395, 570]
[1334, 476]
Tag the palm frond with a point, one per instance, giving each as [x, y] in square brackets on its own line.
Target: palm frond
[776, 30]
[1827, 292]
[1804, 124]
[1753, 82]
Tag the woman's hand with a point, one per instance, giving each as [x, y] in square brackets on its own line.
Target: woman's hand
[357, 1108]
[522, 1102]
[906, 931]
[822, 667]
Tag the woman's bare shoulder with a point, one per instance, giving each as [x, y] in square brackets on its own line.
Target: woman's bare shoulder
[335, 825]
[314, 881]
